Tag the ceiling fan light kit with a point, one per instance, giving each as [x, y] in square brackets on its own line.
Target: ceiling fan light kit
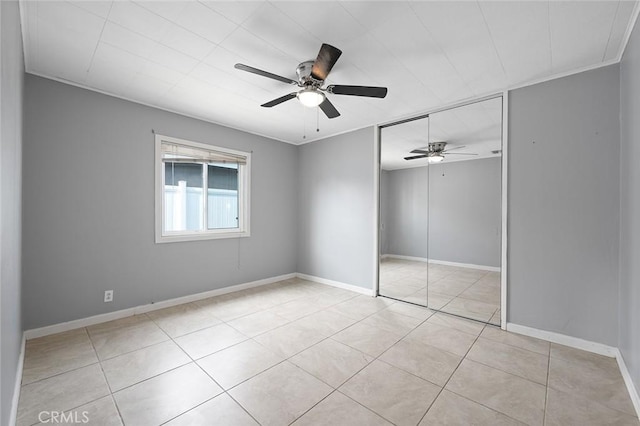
[311, 78]
[310, 97]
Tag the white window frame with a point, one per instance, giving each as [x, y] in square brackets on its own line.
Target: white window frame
[244, 188]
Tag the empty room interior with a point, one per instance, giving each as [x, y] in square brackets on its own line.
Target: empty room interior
[319, 212]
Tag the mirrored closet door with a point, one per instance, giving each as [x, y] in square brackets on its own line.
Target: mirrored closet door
[440, 210]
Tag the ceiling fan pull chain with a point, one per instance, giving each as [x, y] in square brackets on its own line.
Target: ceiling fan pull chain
[304, 124]
[318, 119]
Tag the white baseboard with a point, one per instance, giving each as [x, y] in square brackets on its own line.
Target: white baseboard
[585, 345]
[403, 257]
[123, 313]
[338, 284]
[442, 262]
[466, 265]
[562, 339]
[13, 416]
[628, 381]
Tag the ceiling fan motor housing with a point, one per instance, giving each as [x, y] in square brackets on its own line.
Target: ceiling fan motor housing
[437, 147]
[304, 74]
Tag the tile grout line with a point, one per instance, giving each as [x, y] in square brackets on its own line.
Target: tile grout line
[377, 359]
[451, 376]
[484, 405]
[584, 397]
[330, 336]
[274, 306]
[374, 358]
[226, 391]
[170, 338]
[336, 389]
[194, 361]
[546, 390]
[317, 343]
[497, 369]
[60, 374]
[76, 369]
[508, 372]
[512, 345]
[113, 399]
[285, 359]
[457, 296]
[440, 311]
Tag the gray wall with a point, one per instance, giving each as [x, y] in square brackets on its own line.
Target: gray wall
[337, 208]
[11, 95]
[465, 211]
[449, 212]
[407, 216]
[564, 205]
[384, 211]
[88, 229]
[629, 340]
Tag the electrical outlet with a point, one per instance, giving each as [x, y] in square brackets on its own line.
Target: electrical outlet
[108, 296]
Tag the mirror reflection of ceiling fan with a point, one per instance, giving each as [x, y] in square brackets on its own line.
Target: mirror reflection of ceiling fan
[311, 78]
[435, 152]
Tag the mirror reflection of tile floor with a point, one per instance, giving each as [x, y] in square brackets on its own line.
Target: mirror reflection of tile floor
[299, 353]
[471, 293]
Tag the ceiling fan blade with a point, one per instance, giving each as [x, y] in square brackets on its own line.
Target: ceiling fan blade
[267, 74]
[419, 151]
[459, 153]
[327, 58]
[279, 100]
[329, 110]
[415, 157]
[368, 91]
[457, 147]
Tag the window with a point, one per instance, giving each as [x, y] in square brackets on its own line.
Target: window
[202, 191]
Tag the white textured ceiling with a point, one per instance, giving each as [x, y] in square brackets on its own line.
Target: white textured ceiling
[475, 128]
[180, 55]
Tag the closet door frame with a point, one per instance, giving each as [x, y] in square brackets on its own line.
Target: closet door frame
[504, 192]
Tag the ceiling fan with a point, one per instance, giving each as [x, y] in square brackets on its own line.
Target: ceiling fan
[435, 152]
[311, 77]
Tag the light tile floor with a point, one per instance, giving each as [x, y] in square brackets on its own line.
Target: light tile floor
[471, 293]
[301, 353]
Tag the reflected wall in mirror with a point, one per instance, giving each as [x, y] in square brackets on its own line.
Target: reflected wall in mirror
[440, 211]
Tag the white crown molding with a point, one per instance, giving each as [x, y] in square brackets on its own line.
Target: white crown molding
[472, 99]
[344, 132]
[124, 98]
[23, 28]
[627, 34]
[564, 74]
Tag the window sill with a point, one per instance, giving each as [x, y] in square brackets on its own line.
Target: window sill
[177, 238]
